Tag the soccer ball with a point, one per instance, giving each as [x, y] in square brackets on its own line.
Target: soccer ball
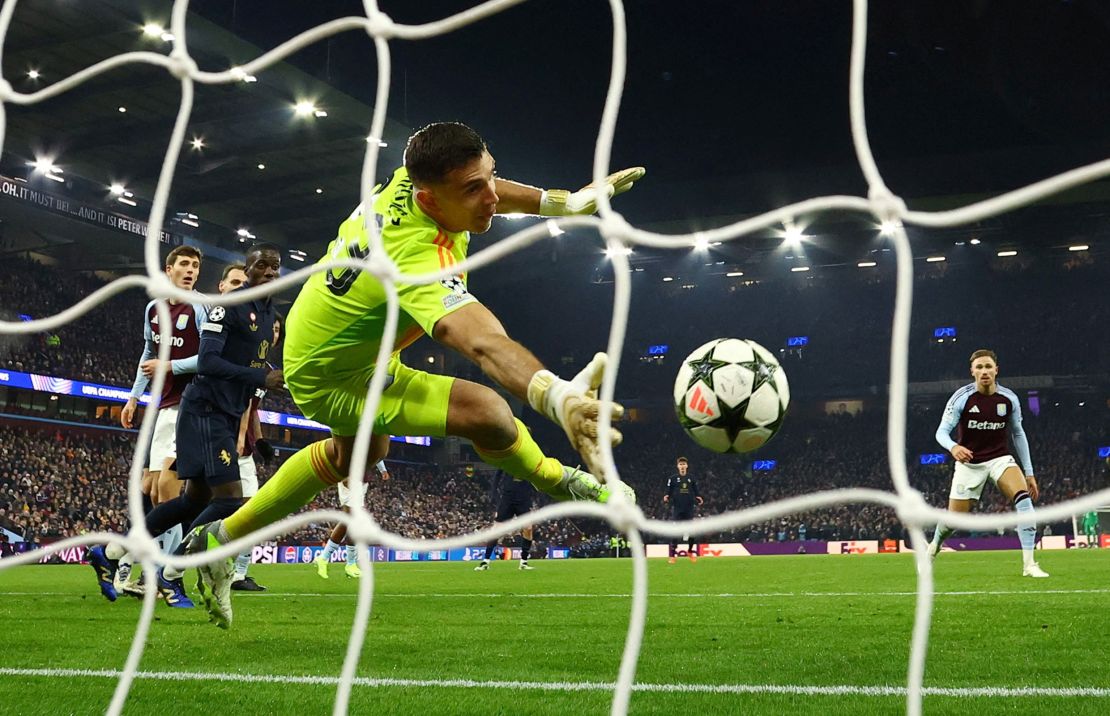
[731, 395]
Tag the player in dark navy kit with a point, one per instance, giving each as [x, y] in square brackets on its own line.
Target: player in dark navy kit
[682, 495]
[982, 413]
[514, 498]
[159, 480]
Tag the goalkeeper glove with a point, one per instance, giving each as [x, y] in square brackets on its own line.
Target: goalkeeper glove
[560, 202]
[264, 450]
[573, 406]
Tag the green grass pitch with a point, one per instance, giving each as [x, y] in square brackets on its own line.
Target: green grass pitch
[526, 642]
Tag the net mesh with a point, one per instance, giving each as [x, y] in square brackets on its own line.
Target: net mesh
[881, 203]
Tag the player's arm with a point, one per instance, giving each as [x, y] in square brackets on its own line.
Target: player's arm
[127, 415]
[517, 198]
[476, 333]
[1021, 447]
[948, 422]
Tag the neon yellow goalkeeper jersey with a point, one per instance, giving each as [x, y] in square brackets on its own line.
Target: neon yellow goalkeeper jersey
[335, 326]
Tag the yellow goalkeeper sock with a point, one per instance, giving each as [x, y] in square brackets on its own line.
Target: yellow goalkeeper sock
[293, 486]
[524, 460]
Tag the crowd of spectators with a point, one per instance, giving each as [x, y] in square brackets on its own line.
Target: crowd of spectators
[58, 483]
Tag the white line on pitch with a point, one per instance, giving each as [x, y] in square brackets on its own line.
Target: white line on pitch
[787, 689]
[620, 595]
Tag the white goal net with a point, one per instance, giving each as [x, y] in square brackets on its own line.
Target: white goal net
[881, 202]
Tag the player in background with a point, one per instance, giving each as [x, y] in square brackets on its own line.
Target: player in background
[982, 413]
[338, 534]
[682, 495]
[1090, 527]
[159, 481]
[514, 497]
[250, 442]
[426, 212]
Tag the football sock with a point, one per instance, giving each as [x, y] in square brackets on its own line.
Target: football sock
[329, 549]
[293, 486]
[525, 549]
[242, 562]
[693, 548]
[171, 538]
[217, 509]
[1027, 531]
[942, 533]
[490, 548]
[127, 561]
[352, 554]
[524, 460]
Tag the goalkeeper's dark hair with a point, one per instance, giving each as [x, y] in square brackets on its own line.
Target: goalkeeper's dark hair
[261, 247]
[438, 149]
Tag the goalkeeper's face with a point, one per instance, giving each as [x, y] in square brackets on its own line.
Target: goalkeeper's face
[466, 199]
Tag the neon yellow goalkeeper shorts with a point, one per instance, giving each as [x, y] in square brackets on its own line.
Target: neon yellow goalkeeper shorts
[413, 402]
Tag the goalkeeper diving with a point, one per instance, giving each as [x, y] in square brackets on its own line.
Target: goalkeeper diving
[446, 190]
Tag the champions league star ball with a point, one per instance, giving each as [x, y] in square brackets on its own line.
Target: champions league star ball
[731, 395]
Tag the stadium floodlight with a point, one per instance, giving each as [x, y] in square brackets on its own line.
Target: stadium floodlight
[668, 279]
[888, 227]
[1079, 247]
[121, 109]
[188, 219]
[261, 165]
[117, 189]
[297, 255]
[381, 143]
[44, 165]
[244, 234]
[304, 108]
[935, 259]
[153, 29]
[799, 269]
[701, 243]
[1007, 253]
[866, 264]
[975, 242]
[319, 190]
[734, 274]
[33, 74]
[792, 235]
[623, 251]
[197, 143]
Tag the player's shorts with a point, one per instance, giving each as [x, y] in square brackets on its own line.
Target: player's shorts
[679, 514]
[345, 493]
[413, 402]
[511, 504]
[968, 479]
[211, 437]
[248, 476]
[163, 442]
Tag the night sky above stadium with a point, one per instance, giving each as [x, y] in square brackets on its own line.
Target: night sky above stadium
[740, 103]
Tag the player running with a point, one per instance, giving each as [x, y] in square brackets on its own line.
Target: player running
[981, 412]
[159, 480]
[426, 212]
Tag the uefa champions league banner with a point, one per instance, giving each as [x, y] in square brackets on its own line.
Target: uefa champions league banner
[67, 386]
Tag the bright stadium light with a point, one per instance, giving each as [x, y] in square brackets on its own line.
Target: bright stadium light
[888, 227]
[975, 242]
[935, 259]
[121, 109]
[381, 143]
[117, 189]
[701, 244]
[244, 234]
[319, 190]
[734, 274]
[153, 29]
[799, 269]
[668, 279]
[1079, 247]
[623, 251]
[866, 264]
[261, 166]
[304, 108]
[197, 143]
[1006, 254]
[33, 74]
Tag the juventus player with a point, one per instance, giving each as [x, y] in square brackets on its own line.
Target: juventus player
[982, 413]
